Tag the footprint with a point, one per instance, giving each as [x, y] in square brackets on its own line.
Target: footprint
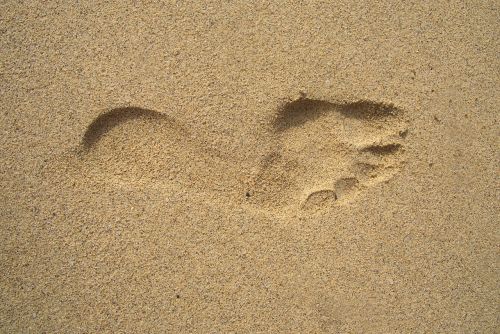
[326, 153]
[323, 154]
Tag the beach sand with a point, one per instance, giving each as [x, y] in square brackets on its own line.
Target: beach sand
[229, 167]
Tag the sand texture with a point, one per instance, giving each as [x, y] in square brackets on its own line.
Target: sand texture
[249, 167]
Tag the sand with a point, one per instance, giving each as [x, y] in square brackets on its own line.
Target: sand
[229, 167]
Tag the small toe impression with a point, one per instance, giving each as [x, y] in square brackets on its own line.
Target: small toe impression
[346, 187]
[326, 198]
[319, 200]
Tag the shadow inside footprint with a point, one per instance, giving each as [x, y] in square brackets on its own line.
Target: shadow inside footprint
[382, 149]
[298, 112]
[107, 121]
[367, 110]
[302, 110]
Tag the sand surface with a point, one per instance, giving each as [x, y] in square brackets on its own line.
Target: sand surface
[232, 167]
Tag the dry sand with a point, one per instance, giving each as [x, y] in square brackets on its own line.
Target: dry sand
[216, 167]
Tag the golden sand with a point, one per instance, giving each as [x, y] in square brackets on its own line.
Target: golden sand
[230, 167]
